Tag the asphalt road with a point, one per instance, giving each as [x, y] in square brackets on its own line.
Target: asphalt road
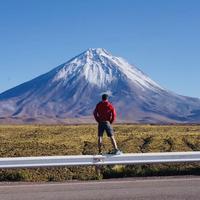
[184, 188]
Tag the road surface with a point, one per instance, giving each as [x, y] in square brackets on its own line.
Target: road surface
[176, 188]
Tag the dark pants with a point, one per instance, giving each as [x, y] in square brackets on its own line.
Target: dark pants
[105, 126]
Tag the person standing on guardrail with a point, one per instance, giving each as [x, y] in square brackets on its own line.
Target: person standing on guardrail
[105, 115]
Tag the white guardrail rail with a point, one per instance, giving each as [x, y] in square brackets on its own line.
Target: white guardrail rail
[95, 160]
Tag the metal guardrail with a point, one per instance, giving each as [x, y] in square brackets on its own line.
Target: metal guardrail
[108, 159]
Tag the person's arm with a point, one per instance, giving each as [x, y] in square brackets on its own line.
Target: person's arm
[114, 115]
[95, 113]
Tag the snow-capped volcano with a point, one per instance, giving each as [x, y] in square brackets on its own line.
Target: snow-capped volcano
[70, 92]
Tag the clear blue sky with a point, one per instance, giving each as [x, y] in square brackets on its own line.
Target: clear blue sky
[160, 37]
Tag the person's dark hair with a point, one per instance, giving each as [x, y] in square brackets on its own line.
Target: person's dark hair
[104, 97]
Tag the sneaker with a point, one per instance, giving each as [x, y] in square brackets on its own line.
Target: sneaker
[100, 152]
[118, 152]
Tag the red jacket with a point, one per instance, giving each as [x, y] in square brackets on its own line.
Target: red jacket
[105, 111]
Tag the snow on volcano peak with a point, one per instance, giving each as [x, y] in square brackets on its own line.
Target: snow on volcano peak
[100, 68]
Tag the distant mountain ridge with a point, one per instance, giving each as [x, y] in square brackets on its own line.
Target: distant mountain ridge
[69, 93]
